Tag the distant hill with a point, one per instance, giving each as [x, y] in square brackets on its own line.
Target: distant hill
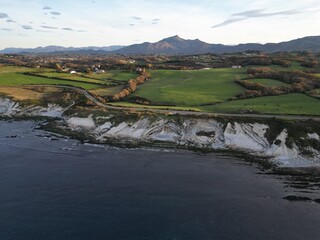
[171, 46]
[179, 46]
[59, 49]
[176, 45]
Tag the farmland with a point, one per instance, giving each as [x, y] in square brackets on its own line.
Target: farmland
[14, 76]
[99, 84]
[114, 75]
[297, 103]
[284, 84]
[190, 88]
[269, 82]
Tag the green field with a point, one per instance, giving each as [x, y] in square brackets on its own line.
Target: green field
[107, 91]
[285, 104]
[191, 88]
[116, 75]
[198, 90]
[72, 77]
[268, 82]
[316, 93]
[13, 76]
[133, 105]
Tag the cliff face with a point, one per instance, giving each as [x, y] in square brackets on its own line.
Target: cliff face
[10, 108]
[208, 134]
[284, 147]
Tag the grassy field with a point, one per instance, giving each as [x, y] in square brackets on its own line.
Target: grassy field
[18, 79]
[268, 82]
[316, 93]
[191, 88]
[285, 104]
[28, 93]
[72, 77]
[202, 90]
[103, 92]
[116, 75]
[133, 105]
[11, 69]
[14, 76]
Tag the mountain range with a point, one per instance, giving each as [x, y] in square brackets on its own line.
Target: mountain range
[59, 49]
[179, 46]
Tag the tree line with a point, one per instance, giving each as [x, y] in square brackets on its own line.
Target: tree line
[130, 87]
[298, 82]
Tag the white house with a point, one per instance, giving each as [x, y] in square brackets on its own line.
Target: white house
[236, 66]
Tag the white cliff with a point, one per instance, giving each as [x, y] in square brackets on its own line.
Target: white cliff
[10, 108]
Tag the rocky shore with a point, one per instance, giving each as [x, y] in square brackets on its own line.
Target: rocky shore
[286, 144]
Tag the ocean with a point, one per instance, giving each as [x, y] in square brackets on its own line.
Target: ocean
[53, 187]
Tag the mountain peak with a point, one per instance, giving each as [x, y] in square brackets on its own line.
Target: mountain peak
[174, 38]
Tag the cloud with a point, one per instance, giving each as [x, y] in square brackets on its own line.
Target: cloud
[68, 29]
[154, 23]
[6, 29]
[47, 8]
[249, 13]
[137, 18]
[26, 27]
[3, 15]
[82, 31]
[55, 13]
[255, 13]
[156, 20]
[261, 13]
[10, 21]
[48, 27]
[44, 31]
[227, 22]
[132, 25]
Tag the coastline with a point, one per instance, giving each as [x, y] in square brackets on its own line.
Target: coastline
[274, 143]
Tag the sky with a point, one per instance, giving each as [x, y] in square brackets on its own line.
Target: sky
[79, 23]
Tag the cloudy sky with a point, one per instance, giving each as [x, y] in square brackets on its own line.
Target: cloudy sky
[32, 23]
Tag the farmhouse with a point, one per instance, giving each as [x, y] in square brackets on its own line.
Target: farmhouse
[99, 71]
[236, 66]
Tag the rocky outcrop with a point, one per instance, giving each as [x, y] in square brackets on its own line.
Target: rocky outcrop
[10, 108]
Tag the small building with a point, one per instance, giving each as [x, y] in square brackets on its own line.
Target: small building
[236, 66]
[99, 71]
[139, 70]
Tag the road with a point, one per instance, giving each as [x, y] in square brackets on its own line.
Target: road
[186, 113]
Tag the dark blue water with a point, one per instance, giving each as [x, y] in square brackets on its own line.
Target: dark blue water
[56, 188]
